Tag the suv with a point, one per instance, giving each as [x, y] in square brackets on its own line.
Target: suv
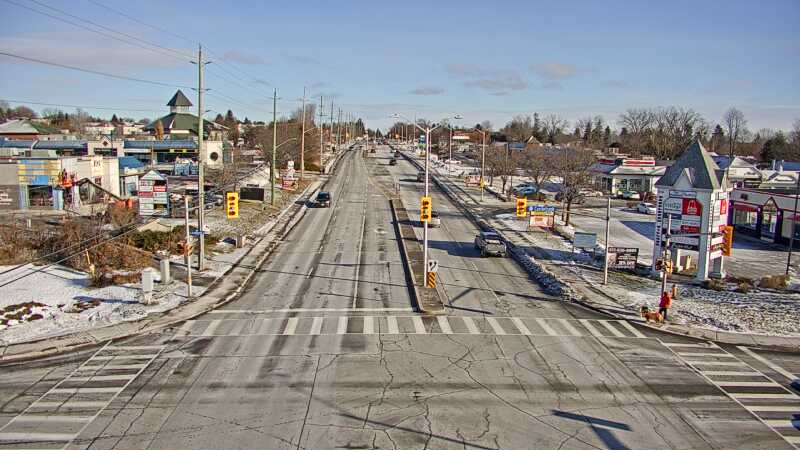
[435, 221]
[323, 200]
[489, 243]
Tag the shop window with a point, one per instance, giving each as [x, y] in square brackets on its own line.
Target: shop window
[745, 219]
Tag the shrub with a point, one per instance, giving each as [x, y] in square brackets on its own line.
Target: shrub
[774, 282]
[715, 285]
[744, 288]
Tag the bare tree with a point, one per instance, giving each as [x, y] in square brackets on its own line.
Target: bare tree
[572, 165]
[539, 165]
[794, 136]
[736, 126]
[638, 123]
[553, 125]
[674, 129]
[519, 129]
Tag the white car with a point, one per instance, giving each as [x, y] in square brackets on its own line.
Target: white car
[646, 208]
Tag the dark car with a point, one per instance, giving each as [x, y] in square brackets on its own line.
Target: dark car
[323, 200]
[393, 162]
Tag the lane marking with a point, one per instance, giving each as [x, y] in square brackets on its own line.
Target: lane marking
[369, 325]
[521, 326]
[570, 329]
[358, 254]
[769, 363]
[714, 355]
[632, 329]
[611, 328]
[391, 322]
[444, 325]
[104, 378]
[680, 344]
[299, 310]
[419, 326]
[747, 383]
[773, 408]
[342, 328]
[75, 404]
[117, 357]
[495, 326]
[310, 271]
[546, 327]
[185, 329]
[717, 373]
[471, 327]
[715, 363]
[87, 390]
[37, 436]
[316, 326]
[50, 418]
[588, 325]
[291, 326]
[212, 327]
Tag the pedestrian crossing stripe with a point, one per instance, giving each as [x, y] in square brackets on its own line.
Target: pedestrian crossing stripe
[418, 325]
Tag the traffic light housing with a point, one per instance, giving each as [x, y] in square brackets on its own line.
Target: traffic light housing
[727, 240]
[659, 264]
[425, 208]
[522, 206]
[232, 205]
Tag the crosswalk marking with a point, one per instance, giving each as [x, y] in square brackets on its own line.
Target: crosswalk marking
[773, 408]
[369, 325]
[768, 363]
[495, 326]
[316, 326]
[419, 326]
[760, 395]
[391, 323]
[783, 423]
[72, 404]
[687, 345]
[793, 439]
[568, 326]
[342, 328]
[291, 326]
[611, 328]
[444, 325]
[588, 325]
[712, 355]
[521, 326]
[212, 327]
[88, 390]
[701, 362]
[43, 418]
[116, 357]
[547, 329]
[125, 377]
[632, 329]
[185, 328]
[718, 373]
[37, 436]
[133, 347]
[747, 383]
[470, 324]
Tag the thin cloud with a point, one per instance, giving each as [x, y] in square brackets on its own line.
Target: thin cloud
[554, 70]
[500, 81]
[243, 58]
[427, 90]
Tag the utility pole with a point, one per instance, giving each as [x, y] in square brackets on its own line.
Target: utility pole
[272, 167]
[201, 260]
[339, 129]
[608, 227]
[187, 254]
[794, 225]
[425, 230]
[321, 126]
[303, 139]
[330, 130]
[483, 161]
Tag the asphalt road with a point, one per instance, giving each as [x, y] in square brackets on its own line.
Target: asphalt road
[322, 351]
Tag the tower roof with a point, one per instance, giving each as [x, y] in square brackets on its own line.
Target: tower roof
[702, 170]
[179, 100]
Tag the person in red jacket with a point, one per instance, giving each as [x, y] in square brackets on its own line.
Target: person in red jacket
[664, 305]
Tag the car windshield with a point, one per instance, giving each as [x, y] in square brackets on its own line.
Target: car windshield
[323, 196]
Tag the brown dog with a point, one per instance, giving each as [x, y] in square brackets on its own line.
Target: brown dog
[651, 316]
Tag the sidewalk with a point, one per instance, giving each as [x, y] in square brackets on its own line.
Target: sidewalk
[222, 290]
[549, 259]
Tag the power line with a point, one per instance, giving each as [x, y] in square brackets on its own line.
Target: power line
[116, 11]
[94, 72]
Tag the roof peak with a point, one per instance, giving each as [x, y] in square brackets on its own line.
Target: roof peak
[179, 99]
[704, 171]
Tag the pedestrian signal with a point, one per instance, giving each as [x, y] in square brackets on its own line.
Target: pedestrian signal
[232, 205]
[522, 205]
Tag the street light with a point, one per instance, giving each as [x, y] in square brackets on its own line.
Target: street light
[427, 130]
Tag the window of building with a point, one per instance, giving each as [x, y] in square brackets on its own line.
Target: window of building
[745, 219]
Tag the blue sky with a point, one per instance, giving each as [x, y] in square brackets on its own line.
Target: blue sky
[483, 60]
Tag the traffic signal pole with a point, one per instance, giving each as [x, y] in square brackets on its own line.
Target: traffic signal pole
[425, 222]
[186, 253]
[608, 232]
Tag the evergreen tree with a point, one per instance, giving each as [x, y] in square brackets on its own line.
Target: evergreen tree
[538, 132]
[587, 131]
[607, 137]
[219, 119]
[114, 119]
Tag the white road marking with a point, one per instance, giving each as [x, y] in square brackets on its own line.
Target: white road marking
[470, 323]
[419, 327]
[125, 377]
[611, 328]
[134, 347]
[747, 383]
[310, 271]
[87, 390]
[391, 323]
[783, 423]
[185, 329]
[358, 254]
[588, 325]
[495, 326]
[759, 395]
[117, 357]
[50, 418]
[70, 404]
[212, 327]
[714, 355]
[444, 325]
[680, 344]
[316, 326]
[547, 329]
[301, 310]
[571, 329]
[291, 326]
[769, 363]
[521, 326]
[792, 439]
[37, 436]
[717, 373]
[632, 329]
[773, 408]
[369, 325]
[342, 329]
[714, 363]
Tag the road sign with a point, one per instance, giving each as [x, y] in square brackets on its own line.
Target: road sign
[431, 280]
[433, 266]
[542, 210]
[584, 240]
[196, 233]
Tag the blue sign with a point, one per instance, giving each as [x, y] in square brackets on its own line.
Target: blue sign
[196, 233]
[542, 209]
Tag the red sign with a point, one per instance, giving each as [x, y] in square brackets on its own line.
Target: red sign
[158, 188]
[690, 229]
[723, 206]
[692, 207]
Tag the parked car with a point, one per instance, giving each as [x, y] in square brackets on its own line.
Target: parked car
[629, 195]
[523, 191]
[591, 193]
[436, 220]
[323, 200]
[489, 243]
[393, 162]
[646, 208]
[525, 185]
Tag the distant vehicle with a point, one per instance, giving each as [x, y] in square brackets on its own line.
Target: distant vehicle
[435, 221]
[323, 200]
[527, 184]
[646, 208]
[524, 191]
[629, 195]
[393, 162]
[421, 176]
[591, 193]
[489, 243]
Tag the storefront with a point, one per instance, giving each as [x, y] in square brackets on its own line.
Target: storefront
[617, 175]
[764, 215]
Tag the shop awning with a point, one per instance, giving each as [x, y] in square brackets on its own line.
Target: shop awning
[744, 207]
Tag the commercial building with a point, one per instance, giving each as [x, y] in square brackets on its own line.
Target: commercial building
[765, 215]
[615, 175]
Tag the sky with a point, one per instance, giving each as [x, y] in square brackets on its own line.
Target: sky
[433, 60]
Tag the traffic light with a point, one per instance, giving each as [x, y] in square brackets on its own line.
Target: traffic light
[668, 266]
[727, 240]
[659, 264]
[425, 209]
[185, 248]
[232, 205]
[522, 206]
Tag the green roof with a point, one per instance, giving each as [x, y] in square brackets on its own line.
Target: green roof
[182, 121]
[179, 100]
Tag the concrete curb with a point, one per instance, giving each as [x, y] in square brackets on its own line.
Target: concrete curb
[411, 285]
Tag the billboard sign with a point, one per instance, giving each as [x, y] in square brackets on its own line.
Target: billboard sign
[623, 257]
[584, 240]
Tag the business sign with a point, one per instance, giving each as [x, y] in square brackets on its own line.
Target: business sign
[673, 205]
[472, 180]
[153, 198]
[683, 194]
[584, 240]
[691, 207]
[541, 221]
[542, 210]
[623, 257]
